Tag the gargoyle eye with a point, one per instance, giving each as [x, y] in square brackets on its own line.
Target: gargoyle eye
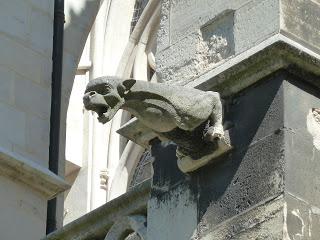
[105, 89]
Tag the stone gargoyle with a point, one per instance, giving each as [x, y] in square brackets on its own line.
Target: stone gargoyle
[189, 117]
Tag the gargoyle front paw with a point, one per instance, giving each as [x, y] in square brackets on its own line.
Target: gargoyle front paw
[214, 134]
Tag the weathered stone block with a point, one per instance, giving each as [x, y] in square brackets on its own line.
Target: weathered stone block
[165, 160]
[212, 33]
[255, 21]
[23, 60]
[273, 156]
[251, 124]
[14, 19]
[43, 5]
[6, 85]
[247, 178]
[216, 42]
[299, 99]
[300, 20]
[172, 208]
[24, 211]
[297, 218]
[302, 168]
[178, 61]
[163, 37]
[188, 16]
[42, 32]
[267, 188]
[31, 156]
[14, 127]
[301, 219]
[263, 222]
[38, 130]
[172, 215]
[31, 97]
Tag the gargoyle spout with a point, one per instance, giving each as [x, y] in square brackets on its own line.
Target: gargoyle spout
[189, 117]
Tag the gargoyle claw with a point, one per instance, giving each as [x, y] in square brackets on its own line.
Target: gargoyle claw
[214, 134]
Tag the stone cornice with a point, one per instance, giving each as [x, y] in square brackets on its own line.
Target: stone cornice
[278, 52]
[96, 224]
[32, 174]
[240, 72]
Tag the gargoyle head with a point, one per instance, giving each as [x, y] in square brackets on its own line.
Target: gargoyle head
[106, 95]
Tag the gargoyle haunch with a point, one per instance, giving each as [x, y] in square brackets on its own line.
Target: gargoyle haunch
[189, 117]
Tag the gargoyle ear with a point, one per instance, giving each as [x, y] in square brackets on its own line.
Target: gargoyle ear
[128, 83]
[121, 89]
[125, 86]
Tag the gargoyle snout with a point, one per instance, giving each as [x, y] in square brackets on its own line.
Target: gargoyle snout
[87, 98]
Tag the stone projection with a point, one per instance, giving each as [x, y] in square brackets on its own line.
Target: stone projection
[189, 117]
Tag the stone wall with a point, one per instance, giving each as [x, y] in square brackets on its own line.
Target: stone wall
[25, 95]
[26, 42]
[210, 33]
[258, 54]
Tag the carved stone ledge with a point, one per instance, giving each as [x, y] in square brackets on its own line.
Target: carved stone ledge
[278, 52]
[135, 131]
[35, 176]
[138, 133]
[133, 223]
[97, 224]
[187, 164]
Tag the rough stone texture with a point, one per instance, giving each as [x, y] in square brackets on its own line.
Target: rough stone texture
[125, 225]
[172, 208]
[23, 211]
[267, 187]
[216, 41]
[301, 219]
[302, 168]
[235, 27]
[253, 23]
[97, 223]
[163, 38]
[300, 20]
[249, 178]
[283, 102]
[254, 171]
[262, 222]
[302, 162]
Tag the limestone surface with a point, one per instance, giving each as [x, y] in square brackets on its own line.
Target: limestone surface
[189, 117]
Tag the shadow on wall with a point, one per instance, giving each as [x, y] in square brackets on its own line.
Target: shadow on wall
[243, 179]
[250, 174]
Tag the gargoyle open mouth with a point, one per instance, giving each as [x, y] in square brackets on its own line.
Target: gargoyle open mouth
[103, 115]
